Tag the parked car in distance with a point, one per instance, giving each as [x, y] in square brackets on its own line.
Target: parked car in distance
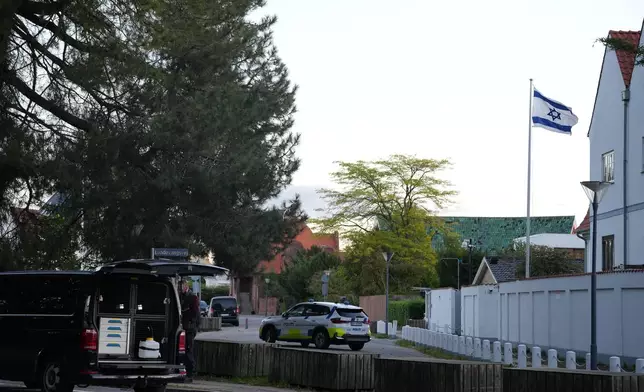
[203, 308]
[320, 323]
[117, 326]
[225, 307]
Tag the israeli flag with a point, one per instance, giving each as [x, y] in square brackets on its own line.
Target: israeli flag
[552, 115]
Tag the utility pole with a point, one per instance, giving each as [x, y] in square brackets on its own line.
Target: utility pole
[387, 256]
[470, 246]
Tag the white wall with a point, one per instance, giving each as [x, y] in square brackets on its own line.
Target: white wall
[480, 311]
[555, 313]
[635, 169]
[445, 310]
[606, 135]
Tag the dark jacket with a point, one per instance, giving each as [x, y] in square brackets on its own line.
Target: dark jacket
[190, 312]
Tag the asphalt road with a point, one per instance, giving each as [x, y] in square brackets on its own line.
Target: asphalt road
[9, 386]
[384, 347]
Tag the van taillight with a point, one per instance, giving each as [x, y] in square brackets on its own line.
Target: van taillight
[182, 342]
[89, 339]
[238, 310]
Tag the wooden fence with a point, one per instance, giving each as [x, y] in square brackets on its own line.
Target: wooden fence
[560, 380]
[207, 324]
[231, 359]
[325, 369]
[421, 374]
[339, 370]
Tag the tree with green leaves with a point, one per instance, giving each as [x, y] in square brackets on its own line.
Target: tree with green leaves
[391, 194]
[450, 251]
[545, 261]
[295, 277]
[387, 205]
[161, 123]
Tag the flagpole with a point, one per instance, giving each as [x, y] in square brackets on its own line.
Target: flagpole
[527, 223]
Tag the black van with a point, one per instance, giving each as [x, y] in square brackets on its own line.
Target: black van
[65, 328]
[227, 308]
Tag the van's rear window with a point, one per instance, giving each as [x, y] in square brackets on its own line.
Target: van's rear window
[114, 297]
[225, 303]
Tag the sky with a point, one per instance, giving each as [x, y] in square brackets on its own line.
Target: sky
[448, 79]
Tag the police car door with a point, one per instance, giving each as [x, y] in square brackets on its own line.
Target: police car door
[291, 326]
[315, 316]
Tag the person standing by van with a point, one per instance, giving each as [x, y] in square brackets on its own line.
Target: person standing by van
[190, 323]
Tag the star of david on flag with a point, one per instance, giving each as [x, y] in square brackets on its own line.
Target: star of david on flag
[552, 115]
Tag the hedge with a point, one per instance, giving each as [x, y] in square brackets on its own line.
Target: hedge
[404, 310]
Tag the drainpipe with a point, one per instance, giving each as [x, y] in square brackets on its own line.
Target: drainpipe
[626, 97]
[585, 255]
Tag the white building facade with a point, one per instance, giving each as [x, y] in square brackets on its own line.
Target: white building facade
[617, 156]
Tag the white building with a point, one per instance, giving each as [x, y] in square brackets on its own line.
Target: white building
[617, 156]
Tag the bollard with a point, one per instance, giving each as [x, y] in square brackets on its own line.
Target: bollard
[587, 361]
[487, 355]
[507, 353]
[536, 357]
[496, 352]
[614, 365]
[522, 360]
[455, 344]
[246, 323]
[469, 346]
[571, 360]
[448, 345]
[477, 348]
[639, 366]
[552, 359]
[461, 345]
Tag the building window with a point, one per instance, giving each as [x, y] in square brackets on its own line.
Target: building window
[608, 166]
[608, 252]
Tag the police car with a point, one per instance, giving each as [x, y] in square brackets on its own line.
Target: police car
[320, 323]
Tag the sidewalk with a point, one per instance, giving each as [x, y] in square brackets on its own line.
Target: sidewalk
[216, 386]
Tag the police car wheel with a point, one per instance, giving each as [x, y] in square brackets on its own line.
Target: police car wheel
[356, 346]
[321, 339]
[305, 344]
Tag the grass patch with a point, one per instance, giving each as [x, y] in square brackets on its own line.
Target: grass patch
[432, 352]
[382, 336]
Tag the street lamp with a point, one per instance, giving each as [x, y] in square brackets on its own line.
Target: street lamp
[267, 280]
[595, 191]
[387, 256]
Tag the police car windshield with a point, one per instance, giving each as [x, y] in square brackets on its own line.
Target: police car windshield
[350, 312]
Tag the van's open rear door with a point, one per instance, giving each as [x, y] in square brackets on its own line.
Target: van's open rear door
[168, 268]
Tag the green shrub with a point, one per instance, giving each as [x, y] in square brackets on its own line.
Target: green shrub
[208, 292]
[405, 310]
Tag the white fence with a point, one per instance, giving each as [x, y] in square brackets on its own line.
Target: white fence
[494, 351]
[554, 313]
[393, 328]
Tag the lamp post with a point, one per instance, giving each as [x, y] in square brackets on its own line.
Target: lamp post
[267, 280]
[387, 256]
[595, 191]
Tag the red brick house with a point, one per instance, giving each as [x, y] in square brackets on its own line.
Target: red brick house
[249, 290]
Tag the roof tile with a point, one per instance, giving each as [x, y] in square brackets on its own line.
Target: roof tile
[625, 58]
[585, 224]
